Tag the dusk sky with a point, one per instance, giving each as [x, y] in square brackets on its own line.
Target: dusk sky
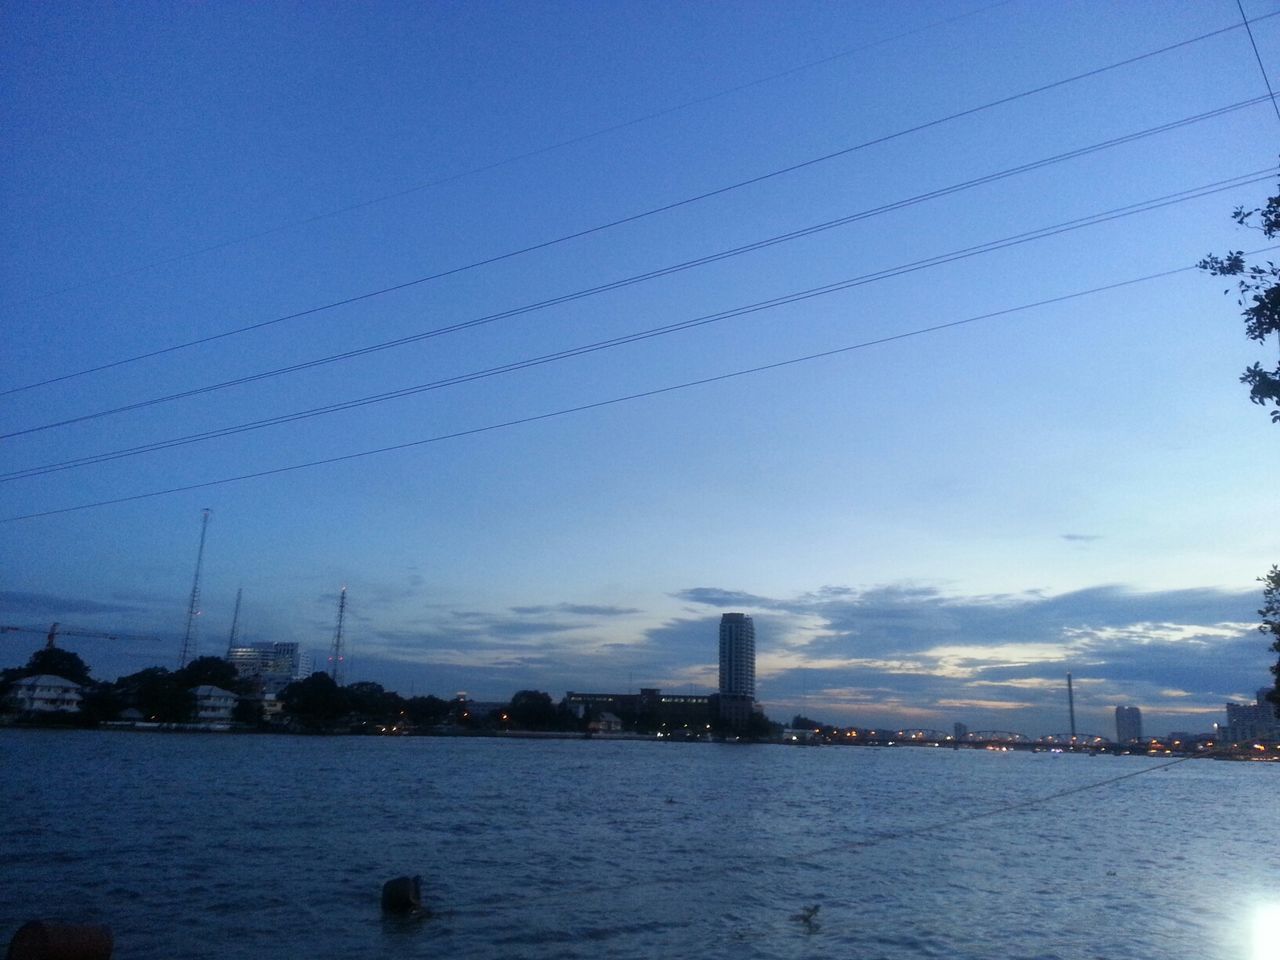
[933, 526]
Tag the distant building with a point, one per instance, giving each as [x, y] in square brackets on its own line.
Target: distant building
[649, 709]
[44, 693]
[213, 704]
[606, 722]
[1128, 724]
[272, 666]
[737, 669]
[1251, 721]
[960, 730]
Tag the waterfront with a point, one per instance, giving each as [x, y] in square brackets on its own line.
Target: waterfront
[208, 846]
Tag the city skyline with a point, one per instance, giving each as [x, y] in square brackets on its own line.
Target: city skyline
[926, 523]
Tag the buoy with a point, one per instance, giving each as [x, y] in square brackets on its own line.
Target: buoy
[50, 940]
[402, 895]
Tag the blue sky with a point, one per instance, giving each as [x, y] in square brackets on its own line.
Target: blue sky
[928, 529]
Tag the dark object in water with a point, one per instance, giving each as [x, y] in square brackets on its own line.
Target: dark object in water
[50, 940]
[403, 895]
[807, 915]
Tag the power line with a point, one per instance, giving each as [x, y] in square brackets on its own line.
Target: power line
[613, 401]
[1263, 70]
[641, 277]
[497, 164]
[635, 337]
[632, 218]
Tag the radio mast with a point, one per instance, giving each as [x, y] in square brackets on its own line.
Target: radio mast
[191, 640]
[1071, 708]
[337, 656]
[234, 639]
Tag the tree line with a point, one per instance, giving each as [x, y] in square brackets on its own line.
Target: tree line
[315, 703]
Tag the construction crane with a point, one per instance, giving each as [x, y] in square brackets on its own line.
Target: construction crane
[55, 630]
[190, 641]
[234, 640]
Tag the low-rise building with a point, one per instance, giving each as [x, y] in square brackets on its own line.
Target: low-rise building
[44, 693]
[213, 704]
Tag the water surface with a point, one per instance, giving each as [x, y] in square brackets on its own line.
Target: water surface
[223, 846]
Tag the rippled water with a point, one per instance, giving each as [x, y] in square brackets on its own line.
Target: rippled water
[253, 846]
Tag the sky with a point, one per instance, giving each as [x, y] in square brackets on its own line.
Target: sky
[962, 494]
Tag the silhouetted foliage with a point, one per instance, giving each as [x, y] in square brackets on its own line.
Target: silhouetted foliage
[759, 727]
[533, 710]
[1270, 614]
[248, 710]
[157, 694]
[1258, 294]
[59, 663]
[427, 711]
[370, 701]
[214, 671]
[316, 702]
[101, 701]
[801, 722]
[1259, 298]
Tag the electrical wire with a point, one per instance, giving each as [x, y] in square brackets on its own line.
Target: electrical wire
[1262, 69]
[635, 337]
[632, 218]
[599, 404]
[643, 277]
[497, 164]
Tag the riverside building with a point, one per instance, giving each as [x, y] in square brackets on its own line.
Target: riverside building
[737, 669]
[1128, 724]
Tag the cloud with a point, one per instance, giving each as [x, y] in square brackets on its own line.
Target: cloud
[1081, 537]
[715, 597]
[899, 654]
[984, 704]
[578, 609]
[47, 605]
[927, 651]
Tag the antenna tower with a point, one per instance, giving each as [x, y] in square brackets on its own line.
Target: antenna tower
[234, 639]
[337, 657]
[1071, 706]
[191, 640]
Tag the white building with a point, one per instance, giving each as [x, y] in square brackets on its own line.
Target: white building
[45, 693]
[213, 704]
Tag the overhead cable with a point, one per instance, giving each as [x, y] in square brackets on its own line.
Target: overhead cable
[632, 218]
[641, 277]
[497, 164]
[612, 401]
[635, 337]
[1257, 56]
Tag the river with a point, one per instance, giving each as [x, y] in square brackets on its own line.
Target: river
[219, 846]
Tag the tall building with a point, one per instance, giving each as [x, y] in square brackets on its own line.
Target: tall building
[737, 669]
[1128, 724]
[272, 665]
[1251, 721]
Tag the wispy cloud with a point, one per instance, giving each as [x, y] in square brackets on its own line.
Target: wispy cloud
[50, 606]
[715, 597]
[578, 609]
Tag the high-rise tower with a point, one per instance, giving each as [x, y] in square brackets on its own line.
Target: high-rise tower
[1128, 724]
[737, 669]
